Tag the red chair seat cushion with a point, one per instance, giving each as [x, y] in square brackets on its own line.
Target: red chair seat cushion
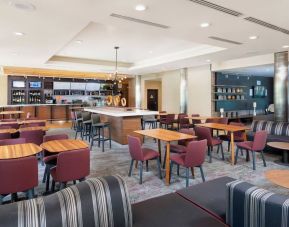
[149, 154]
[228, 138]
[178, 158]
[216, 141]
[245, 145]
[176, 148]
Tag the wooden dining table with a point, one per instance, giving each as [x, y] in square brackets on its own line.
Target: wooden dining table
[8, 130]
[201, 118]
[43, 128]
[19, 150]
[167, 136]
[11, 112]
[22, 122]
[57, 146]
[228, 128]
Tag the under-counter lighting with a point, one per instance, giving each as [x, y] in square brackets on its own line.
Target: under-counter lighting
[205, 25]
[140, 7]
[253, 37]
[19, 33]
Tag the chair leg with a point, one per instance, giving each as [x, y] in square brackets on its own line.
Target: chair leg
[44, 175]
[211, 151]
[47, 178]
[193, 172]
[74, 182]
[171, 169]
[202, 174]
[140, 172]
[254, 160]
[130, 168]
[236, 155]
[14, 197]
[178, 170]
[81, 179]
[159, 168]
[1, 199]
[109, 133]
[102, 134]
[53, 186]
[147, 165]
[62, 185]
[221, 145]
[263, 158]
[29, 194]
[187, 177]
[247, 156]
[229, 144]
[218, 149]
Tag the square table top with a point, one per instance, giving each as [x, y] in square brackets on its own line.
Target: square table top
[230, 128]
[165, 135]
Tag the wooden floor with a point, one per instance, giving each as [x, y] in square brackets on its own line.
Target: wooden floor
[58, 124]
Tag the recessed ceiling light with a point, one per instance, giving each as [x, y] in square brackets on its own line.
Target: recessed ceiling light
[204, 25]
[285, 46]
[150, 51]
[78, 41]
[140, 7]
[208, 60]
[253, 37]
[26, 6]
[19, 33]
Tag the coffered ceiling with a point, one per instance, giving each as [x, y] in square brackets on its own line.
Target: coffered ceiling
[81, 35]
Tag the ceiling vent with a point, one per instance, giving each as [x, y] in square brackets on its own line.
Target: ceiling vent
[267, 25]
[139, 21]
[225, 40]
[217, 7]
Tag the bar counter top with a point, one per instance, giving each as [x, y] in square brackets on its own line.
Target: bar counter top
[120, 112]
[24, 105]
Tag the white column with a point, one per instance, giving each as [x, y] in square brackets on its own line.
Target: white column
[138, 91]
[184, 90]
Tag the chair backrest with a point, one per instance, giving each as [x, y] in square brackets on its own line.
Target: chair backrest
[238, 133]
[5, 135]
[196, 153]
[86, 116]
[32, 136]
[204, 133]
[170, 118]
[12, 141]
[212, 120]
[186, 131]
[182, 120]
[134, 146]
[73, 165]
[13, 125]
[8, 120]
[223, 120]
[55, 137]
[95, 119]
[33, 124]
[18, 175]
[260, 139]
[196, 121]
[5, 127]
[148, 117]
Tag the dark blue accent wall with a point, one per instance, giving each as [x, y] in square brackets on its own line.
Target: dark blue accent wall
[249, 82]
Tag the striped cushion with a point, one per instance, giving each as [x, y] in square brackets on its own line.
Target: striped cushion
[248, 205]
[100, 202]
[272, 127]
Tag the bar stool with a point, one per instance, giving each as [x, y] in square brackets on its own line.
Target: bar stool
[78, 123]
[97, 129]
[86, 124]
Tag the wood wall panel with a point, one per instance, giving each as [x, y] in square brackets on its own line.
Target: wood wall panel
[59, 112]
[28, 109]
[43, 112]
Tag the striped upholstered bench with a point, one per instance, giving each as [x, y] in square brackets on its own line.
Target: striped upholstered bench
[277, 131]
[248, 205]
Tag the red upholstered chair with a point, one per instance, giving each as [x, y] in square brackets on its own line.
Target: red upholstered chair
[71, 166]
[12, 141]
[33, 124]
[12, 125]
[140, 155]
[184, 122]
[34, 136]
[18, 175]
[194, 157]
[238, 136]
[168, 121]
[205, 133]
[196, 121]
[8, 120]
[50, 159]
[5, 135]
[257, 145]
[5, 127]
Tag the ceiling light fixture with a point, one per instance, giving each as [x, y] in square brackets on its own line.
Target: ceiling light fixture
[205, 25]
[19, 33]
[150, 52]
[253, 37]
[140, 7]
[285, 46]
[78, 41]
[208, 60]
[25, 6]
[116, 70]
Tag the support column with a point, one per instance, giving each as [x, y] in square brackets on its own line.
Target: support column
[138, 91]
[184, 90]
[281, 86]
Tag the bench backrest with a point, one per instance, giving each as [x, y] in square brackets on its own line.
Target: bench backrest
[272, 127]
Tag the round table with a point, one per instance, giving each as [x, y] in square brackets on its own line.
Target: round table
[279, 177]
[19, 150]
[57, 146]
[284, 146]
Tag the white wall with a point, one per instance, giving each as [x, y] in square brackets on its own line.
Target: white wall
[3, 88]
[199, 90]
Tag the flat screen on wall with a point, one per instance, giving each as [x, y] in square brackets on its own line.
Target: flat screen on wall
[259, 91]
[36, 84]
[18, 84]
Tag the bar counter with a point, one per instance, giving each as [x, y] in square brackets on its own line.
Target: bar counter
[50, 112]
[123, 121]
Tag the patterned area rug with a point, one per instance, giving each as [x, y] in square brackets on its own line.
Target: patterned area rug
[117, 160]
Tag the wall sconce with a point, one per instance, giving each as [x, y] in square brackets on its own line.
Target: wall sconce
[222, 112]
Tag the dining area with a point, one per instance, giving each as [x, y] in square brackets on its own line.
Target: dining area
[37, 160]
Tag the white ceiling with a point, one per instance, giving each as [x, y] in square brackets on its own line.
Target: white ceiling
[261, 70]
[55, 25]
